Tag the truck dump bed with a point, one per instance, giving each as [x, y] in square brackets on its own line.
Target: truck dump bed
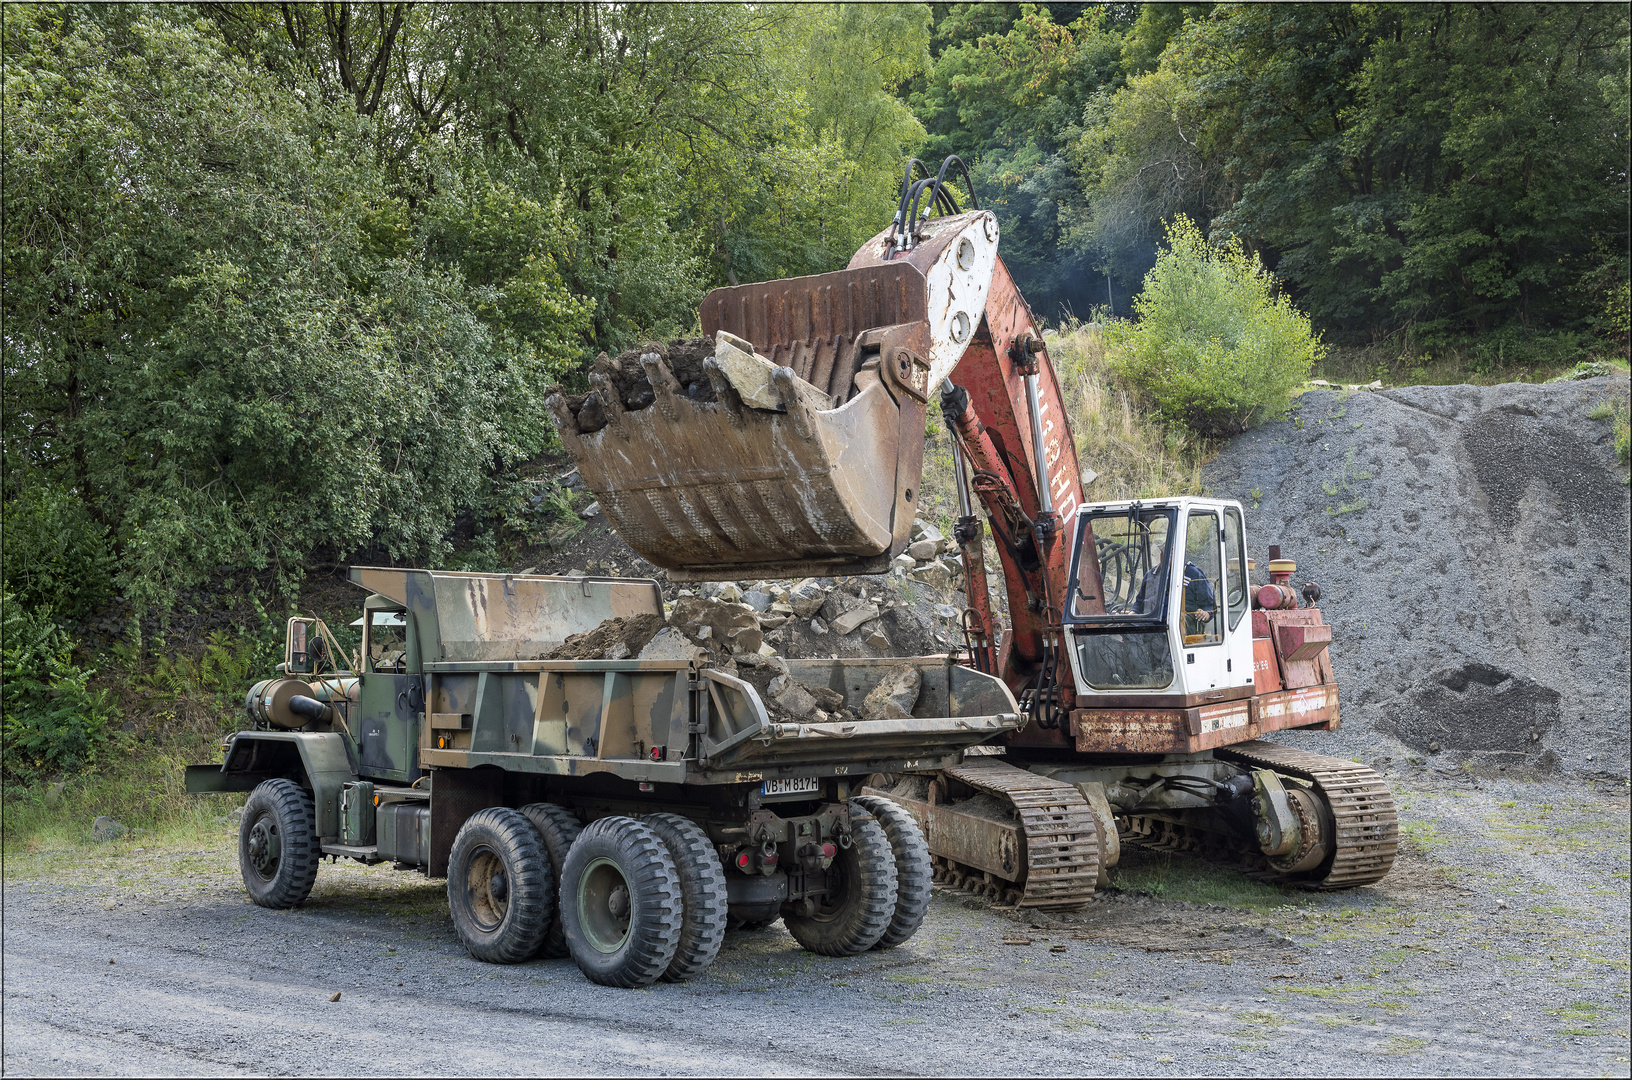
[489, 698]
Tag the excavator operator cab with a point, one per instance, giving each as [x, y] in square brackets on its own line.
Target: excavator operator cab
[1158, 599]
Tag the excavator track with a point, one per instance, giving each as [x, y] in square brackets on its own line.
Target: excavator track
[1366, 828]
[1061, 839]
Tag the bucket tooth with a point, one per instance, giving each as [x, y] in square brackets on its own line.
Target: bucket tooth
[609, 402]
[724, 393]
[663, 383]
[565, 422]
[787, 388]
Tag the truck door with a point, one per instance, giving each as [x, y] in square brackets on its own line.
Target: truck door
[391, 698]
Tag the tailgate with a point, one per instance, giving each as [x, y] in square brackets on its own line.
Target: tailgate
[957, 708]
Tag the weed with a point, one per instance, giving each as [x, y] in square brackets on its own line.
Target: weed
[1402, 1044]
[1178, 877]
[1117, 435]
[1620, 418]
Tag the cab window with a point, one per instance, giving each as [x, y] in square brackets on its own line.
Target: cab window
[1202, 580]
[1130, 548]
[1235, 565]
[388, 641]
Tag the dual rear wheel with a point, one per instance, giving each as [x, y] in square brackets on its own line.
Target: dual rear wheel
[638, 900]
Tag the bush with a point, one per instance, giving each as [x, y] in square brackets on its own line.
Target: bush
[50, 720]
[1215, 347]
[54, 554]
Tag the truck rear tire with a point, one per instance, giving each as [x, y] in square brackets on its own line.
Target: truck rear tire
[559, 829]
[702, 894]
[501, 891]
[914, 873]
[860, 903]
[278, 848]
[621, 904]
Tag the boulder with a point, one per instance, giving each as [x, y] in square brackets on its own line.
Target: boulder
[875, 639]
[923, 550]
[759, 601]
[105, 828]
[937, 575]
[861, 613]
[923, 530]
[903, 561]
[750, 376]
[671, 644]
[826, 697]
[895, 694]
[817, 626]
[791, 697]
[728, 591]
[806, 598]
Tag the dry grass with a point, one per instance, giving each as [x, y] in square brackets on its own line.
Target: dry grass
[1135, 455]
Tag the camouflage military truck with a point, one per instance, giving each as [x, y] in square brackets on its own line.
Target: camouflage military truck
[617, 811]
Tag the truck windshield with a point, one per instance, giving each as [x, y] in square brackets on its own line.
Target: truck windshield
[1131, 551]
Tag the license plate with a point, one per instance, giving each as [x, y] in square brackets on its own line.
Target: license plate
[793, 785]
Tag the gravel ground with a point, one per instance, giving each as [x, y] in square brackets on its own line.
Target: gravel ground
[1471, 544]
[1499, 945]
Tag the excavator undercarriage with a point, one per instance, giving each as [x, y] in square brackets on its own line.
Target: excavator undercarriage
[1147, 664]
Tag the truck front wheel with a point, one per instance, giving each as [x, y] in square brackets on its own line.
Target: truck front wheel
[860, 900]
[621, 904]
[501, 893]
[278, 849]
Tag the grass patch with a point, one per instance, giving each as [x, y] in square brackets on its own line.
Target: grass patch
[1402, 1044]
[1483, 360]
[1118, 436]
[1620, 421]
[142, 788]
[1171, 876]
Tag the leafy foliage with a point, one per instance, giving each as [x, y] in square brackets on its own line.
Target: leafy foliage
[53, 553]
[53, 721]
[1451, 169]
[286, 283]
[1216, 348]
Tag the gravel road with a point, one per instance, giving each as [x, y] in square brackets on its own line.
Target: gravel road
[1499, 945]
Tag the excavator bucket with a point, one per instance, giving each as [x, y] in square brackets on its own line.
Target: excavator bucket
[797, 447]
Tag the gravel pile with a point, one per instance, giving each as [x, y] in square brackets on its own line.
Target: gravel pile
[1471, 544]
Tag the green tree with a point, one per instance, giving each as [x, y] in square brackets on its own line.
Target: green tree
[207, 342]
[1216, 346]
[1007, 91]
[1452, 168]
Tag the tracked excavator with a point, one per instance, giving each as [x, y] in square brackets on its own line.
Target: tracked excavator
[1147, 661]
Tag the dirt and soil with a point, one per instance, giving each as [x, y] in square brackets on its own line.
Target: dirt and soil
[684, 357]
